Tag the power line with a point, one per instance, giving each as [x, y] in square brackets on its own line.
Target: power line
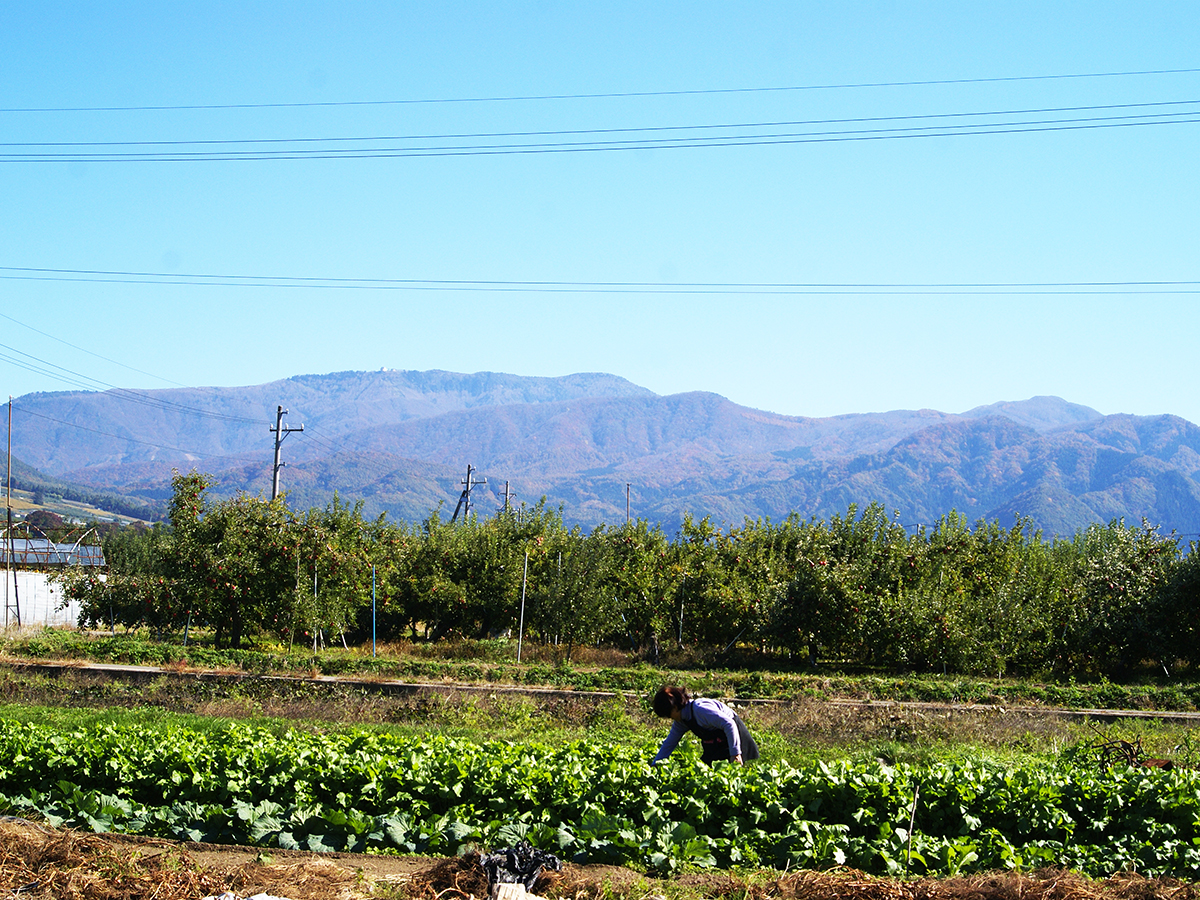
[126, 438]
[602, 95]
[625, 130]
[123, 394]
[44, 367]
[99, 276]
[88, 383]
[39, 370]
[625, 144]
[88, 352]
[314, 435]
[112, 390]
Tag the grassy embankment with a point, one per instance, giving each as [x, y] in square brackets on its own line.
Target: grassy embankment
[1007, 718]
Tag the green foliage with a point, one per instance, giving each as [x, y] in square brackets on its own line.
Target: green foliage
[493, 662]
[354, 790]
[642, 580]
[233, 564]
[1173, 614]
[1119, 572]
[857, 592]
[572, 598]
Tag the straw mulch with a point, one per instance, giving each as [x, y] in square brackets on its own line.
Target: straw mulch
[1040, 885]
[462, 879]
[40, 863]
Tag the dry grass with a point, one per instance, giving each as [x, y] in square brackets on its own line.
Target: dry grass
[43, 863]
[64, 865]
[818, 722]
[1041, 885]
[810, 723]
[46, 864]
[462, 879]
[313, 879]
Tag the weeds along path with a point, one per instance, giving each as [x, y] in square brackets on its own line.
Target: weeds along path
[145, 675]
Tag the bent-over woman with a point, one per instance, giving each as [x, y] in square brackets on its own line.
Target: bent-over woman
[722, 733]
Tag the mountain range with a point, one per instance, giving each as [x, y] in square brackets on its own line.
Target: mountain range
[401, 442]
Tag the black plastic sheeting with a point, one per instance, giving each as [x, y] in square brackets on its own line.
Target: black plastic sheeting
[521, 864]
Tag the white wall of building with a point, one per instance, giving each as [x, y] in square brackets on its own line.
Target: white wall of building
[39, 600]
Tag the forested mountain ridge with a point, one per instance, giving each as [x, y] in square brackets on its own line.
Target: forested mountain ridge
[401, 441]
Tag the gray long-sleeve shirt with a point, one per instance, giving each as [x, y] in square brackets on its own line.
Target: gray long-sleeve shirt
[707, 714]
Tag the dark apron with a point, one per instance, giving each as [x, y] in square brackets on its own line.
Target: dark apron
[715, 745]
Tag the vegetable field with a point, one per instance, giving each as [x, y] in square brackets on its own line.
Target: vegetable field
[358, 790]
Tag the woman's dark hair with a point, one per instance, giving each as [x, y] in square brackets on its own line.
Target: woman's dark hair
[668, 698]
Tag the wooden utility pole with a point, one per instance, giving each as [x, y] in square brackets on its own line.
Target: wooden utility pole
[281, 431]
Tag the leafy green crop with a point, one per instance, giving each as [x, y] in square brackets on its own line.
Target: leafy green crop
[354, 790]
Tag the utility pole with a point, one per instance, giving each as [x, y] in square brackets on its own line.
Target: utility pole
[13, 606]
[464, 500]
[507, 496]
[627, 503]
[281, 431]
[521, 625]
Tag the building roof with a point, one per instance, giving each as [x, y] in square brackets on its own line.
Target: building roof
[34, 552]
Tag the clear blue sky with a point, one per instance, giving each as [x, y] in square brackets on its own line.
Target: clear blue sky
[1060, 196]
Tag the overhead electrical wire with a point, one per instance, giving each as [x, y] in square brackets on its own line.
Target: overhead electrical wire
[405, 152]
[317, 104]
[625, 138]
[148, 400]
[123, 437]
[41, 370]
[311, 434]
[40, 366]
[856, 120]
[88, 352]
[123, 394]
[43, 367]
[639, 138]
[134, 396]
[69, 376]
[998, 288]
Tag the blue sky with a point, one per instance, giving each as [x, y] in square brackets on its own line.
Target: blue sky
[652, 247]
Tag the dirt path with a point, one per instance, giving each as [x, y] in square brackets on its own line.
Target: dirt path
[137, 674]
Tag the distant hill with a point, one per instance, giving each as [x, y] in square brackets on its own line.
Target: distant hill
[47, 493]
[1038, 413]
[401, 442]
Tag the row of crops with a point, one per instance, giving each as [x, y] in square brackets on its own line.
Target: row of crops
[358, 790]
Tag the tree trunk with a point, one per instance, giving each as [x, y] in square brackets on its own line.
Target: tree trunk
[235, 627]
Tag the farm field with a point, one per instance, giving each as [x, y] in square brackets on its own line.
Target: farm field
[295, 766]
[1011, 797]
[593, 801]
